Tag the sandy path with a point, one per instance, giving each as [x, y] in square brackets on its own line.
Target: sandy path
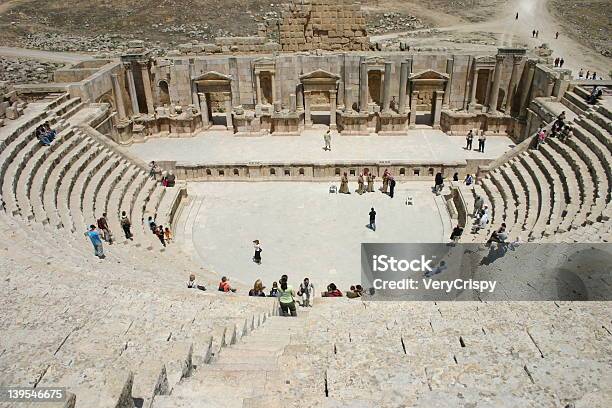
[533, 14]
[51, 56]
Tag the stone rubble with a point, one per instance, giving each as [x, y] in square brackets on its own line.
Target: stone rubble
[21, 70]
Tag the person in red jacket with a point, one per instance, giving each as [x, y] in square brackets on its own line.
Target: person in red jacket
[332, 291]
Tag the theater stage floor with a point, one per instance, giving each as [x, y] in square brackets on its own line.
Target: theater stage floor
[421, 145]
[304, 230]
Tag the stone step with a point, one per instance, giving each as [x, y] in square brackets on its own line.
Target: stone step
[44, 172]
[56, 176]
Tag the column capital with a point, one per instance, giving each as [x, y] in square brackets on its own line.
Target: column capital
[333, 91]
[517, 59]
[499, 58]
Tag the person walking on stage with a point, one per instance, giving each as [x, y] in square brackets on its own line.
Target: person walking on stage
[327, 139]
[370, 183]
[257, 255]
[372, 224]
[391, 186]
[360, 184]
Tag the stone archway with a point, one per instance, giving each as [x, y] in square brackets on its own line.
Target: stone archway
[215, 94]
[320, 95]
[164, 92]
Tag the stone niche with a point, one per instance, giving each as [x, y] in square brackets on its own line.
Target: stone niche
[320, 90]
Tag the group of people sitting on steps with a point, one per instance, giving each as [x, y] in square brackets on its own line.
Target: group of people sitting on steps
[45, 134]
[559, 129]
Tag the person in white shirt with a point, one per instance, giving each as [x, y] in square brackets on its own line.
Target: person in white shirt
[191, 284]
[306, 291]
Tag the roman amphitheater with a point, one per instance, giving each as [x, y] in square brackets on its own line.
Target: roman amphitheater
[240, 123]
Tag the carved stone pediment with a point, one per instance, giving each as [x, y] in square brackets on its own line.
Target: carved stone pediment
[264, 64]
[429, 74]
[319, 74]
[213, 76]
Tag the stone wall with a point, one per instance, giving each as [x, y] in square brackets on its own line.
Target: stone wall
[323, 24]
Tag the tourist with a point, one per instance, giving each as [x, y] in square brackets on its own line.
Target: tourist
[344, 189]
[391, 186]
[126, 225]
[152, 225]
[327, 140]
[50, 133]
[456, 176]
[286, 299]
[159, 232]
[516, 18]
[468, 180]
[274, 291]
[499, 236]
[438, 183]
[533, 33]
[441, 267]
[469, 139]
[561, 116]
[556, 62]
[258, 289]
[332, 291]
[385, 179]
[104, 229]
[306, 291]
[588, 74]
[580, 74]
[224, 285]
[483, 220]
[360, 184]
[94, 237]
[258, 250]
[557, 35]
[372, 224]
[566, 133]
[456, 234]
[352, 293]
[541, 139]
[191, 284]
[561, 62]
[481, 142]
[594, 77]
[537, 33]
[167, 234]
[478, 204]
[370, 179]
[40, 135]
[153, 170]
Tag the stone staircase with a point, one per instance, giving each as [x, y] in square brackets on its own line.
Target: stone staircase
[248, 373]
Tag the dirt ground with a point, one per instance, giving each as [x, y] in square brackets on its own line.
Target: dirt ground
[589, 21]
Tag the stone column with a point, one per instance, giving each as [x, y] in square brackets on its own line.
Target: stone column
[228, 111]
[132, 89]
[204, 110]
[447, 88]
[363, 87]
[386, 100]
[526, 88]
[488, 89]
[413, 102]
[472, 104]
[499, 59]
[292, 103]
[273, 81]
[300, 98]
[348, 107]
[332, 108]
[258, 88]
[146, 82]
[119, 97]
[194, 93]
[516, 61]
[403, 85]
[437, 108]
[307, 118]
